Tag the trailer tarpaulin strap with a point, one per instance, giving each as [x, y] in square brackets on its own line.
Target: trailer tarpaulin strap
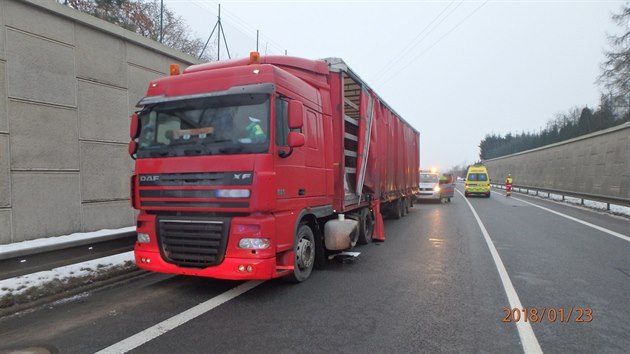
[379, 228]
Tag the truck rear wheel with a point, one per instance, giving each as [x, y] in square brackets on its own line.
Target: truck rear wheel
[366, 226]
[397, 210]
[304, 249]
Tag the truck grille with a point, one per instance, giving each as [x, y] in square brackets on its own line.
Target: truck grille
[192, 190]
[193, 242]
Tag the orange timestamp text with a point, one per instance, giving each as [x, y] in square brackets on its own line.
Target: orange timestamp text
[548, 314]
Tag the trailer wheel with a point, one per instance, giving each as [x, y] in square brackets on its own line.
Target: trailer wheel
[397, 210]
[366, 226]
[304, 249]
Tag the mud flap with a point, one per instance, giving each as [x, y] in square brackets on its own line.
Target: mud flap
[379, 227]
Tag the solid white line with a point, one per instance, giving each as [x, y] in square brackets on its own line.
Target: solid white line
[525, 331]
[610, 232]
[150, 333]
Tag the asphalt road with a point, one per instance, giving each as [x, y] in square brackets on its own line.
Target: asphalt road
[433, 286]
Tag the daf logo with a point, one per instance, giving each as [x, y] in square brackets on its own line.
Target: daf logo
[150, 178]
[242, 176]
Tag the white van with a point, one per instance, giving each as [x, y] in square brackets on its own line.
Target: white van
[429, 186]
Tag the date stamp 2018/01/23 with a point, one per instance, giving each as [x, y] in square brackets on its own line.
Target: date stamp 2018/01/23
[548, 314]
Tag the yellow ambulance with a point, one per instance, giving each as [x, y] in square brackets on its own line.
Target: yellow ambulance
[477, 181]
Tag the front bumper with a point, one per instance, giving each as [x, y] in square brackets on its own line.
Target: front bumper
[428, 195]
[262, 269]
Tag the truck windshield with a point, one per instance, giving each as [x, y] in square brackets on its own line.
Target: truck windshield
[428, 178]
[231, 124]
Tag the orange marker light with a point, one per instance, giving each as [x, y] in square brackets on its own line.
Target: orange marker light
[174, 69]
[254, 58]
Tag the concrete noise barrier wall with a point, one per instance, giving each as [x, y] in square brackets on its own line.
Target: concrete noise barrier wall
[597, 163]
[68, 83]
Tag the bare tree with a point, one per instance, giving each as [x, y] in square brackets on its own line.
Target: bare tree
[143, 17]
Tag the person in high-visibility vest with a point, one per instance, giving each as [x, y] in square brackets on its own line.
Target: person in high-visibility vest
[255, 131]
[442, 182]
[508, 185]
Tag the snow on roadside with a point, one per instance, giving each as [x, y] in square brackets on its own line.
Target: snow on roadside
[615, 209]
[591, 204]
[44, 283]
[41, 242]
[621, 210]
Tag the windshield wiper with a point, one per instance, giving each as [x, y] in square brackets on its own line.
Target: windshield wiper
[233, 149]
[161, 152]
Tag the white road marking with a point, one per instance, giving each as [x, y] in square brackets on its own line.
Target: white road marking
[525, 331]
[602, 229]
[150, 333]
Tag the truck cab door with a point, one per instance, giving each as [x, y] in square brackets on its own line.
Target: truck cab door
[289, 162]
[302, 173]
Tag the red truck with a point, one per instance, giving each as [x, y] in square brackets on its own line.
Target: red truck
[260, 167]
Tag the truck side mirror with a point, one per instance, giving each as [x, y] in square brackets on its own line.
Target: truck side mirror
[132, 148]
[134, 129]
[295, 139]
[296, 114]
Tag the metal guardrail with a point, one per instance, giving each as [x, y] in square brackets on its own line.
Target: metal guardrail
[608, 200]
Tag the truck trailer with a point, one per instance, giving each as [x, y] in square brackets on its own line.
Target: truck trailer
[260, 167]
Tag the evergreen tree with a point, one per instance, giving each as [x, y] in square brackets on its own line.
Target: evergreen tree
[616, 69]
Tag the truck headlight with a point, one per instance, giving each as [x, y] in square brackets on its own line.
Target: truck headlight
[254, 243]
[232, 193]
[143, 238]
[436, 188]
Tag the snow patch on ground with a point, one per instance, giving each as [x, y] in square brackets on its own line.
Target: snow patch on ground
[48, 241]
[614, 209]
[36, 285]
[620, 210]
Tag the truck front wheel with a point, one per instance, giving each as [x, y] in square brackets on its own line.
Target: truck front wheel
[304, 249]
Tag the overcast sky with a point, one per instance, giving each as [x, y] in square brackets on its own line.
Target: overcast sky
[456, 70]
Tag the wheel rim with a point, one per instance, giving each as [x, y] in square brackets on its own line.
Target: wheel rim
[305, 255]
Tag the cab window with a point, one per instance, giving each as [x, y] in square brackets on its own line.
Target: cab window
[282, 122]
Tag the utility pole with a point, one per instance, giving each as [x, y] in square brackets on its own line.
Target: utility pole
[161, 20]
[221, 33]
[219, 36]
